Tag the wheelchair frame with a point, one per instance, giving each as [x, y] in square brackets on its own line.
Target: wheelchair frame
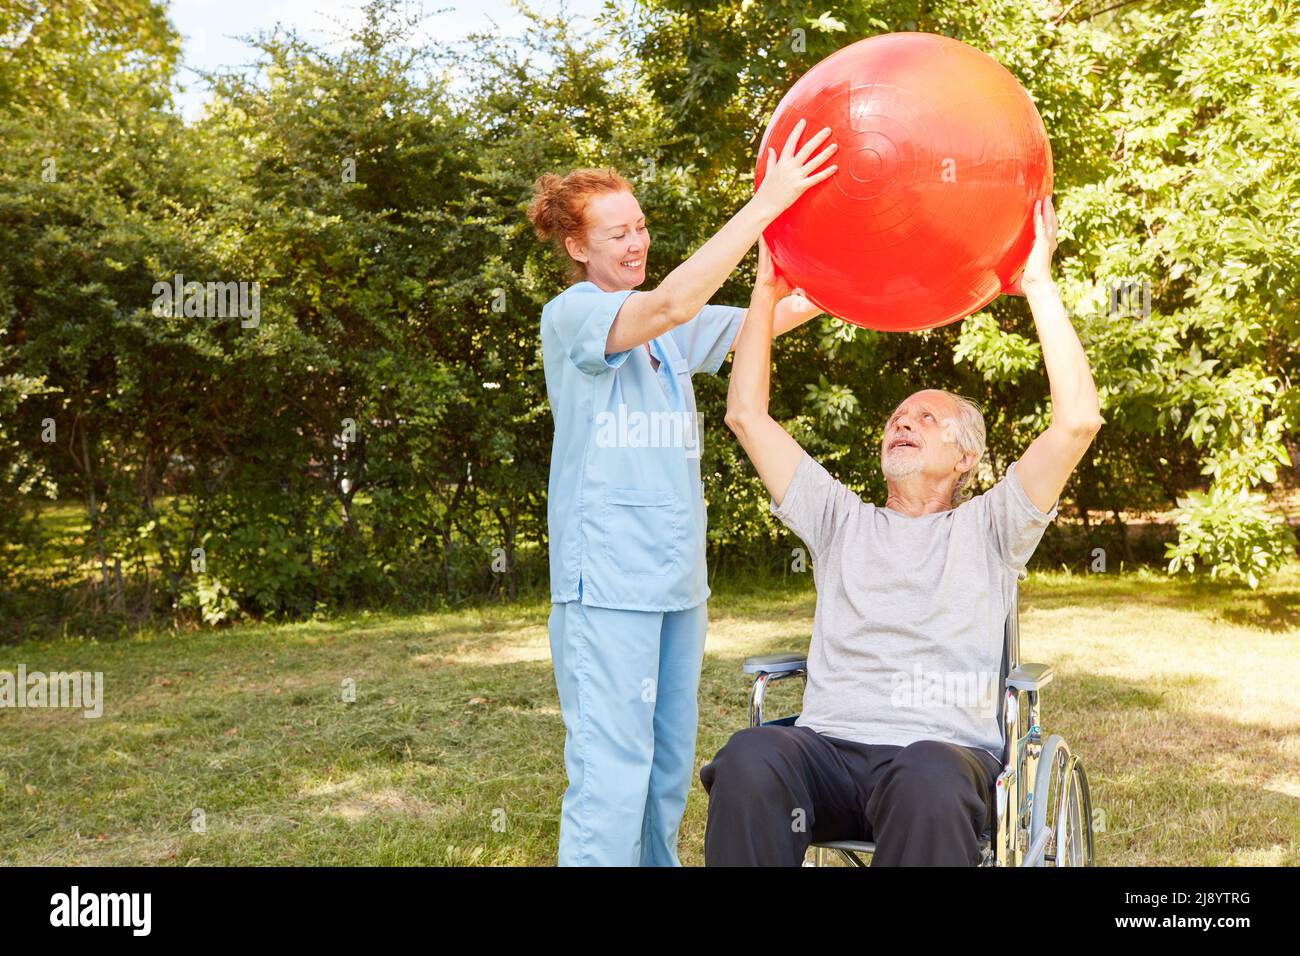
[1052, 822]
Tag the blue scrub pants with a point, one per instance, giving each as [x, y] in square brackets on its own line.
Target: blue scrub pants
[627, 682]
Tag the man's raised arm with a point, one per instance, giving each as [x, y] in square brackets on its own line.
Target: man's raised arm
[774, 453]
[791, 312]
[1047, 463]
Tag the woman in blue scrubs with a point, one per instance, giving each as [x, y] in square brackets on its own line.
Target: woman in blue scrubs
[626, 509]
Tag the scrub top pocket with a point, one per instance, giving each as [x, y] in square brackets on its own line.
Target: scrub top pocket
[643, 530]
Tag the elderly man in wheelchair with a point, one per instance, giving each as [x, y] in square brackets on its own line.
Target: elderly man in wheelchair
[918, 742]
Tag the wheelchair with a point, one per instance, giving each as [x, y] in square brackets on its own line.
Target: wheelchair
[1042, 807]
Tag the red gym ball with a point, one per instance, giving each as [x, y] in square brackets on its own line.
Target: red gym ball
[941, 157]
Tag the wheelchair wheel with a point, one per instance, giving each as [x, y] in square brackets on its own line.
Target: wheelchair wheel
[1081, 831]
[1062, 808]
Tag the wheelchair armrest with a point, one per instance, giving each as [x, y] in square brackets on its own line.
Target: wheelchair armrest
[1030, 677]
[776, 663]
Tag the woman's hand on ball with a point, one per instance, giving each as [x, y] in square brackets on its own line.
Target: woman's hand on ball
[1038, 267]
[789, 175]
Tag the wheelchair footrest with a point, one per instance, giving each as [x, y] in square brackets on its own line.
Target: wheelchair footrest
[862, 846]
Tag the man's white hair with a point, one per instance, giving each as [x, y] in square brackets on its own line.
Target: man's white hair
[971, 437]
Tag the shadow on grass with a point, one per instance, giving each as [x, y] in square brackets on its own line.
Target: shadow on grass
[1267, 612]
[1274, 608]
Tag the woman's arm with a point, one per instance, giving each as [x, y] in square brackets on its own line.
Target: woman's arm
[791, 312]
[1046, 465]
[774, 453]
[688, 288]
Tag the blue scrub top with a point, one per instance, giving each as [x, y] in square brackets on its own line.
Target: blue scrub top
[625, 506]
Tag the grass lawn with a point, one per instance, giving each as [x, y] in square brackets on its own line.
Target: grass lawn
[1183, 698]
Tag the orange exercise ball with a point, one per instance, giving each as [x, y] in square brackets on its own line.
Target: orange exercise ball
[930, 215]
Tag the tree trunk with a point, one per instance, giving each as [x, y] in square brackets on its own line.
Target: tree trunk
[92, 507]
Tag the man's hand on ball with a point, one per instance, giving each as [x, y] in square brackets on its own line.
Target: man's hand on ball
[768, 279]
[1038, 267]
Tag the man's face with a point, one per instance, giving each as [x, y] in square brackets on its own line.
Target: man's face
[921, 438]
[616, 242]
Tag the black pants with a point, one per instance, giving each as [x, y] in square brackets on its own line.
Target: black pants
[773, 790]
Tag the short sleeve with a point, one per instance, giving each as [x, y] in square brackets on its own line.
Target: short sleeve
[815, 505]
[1014, 524]
[705, 340]
[581, 320]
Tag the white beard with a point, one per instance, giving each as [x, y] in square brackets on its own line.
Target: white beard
[900, 466]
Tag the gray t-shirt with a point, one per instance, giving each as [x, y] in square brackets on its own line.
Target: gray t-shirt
[907, 636]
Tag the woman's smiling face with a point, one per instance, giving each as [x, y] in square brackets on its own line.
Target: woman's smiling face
[616, 242]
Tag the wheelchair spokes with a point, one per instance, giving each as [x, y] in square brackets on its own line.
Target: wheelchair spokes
[1064, 817]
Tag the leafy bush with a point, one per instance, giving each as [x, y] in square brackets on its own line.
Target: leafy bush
[1231, 534]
